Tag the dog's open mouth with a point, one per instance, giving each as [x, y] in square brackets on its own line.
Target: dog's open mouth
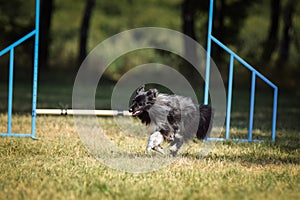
[136, 113]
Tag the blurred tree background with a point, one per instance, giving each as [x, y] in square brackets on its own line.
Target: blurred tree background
[265, 33]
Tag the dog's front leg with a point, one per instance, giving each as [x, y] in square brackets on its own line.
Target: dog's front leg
[159, 149]
[154, 142]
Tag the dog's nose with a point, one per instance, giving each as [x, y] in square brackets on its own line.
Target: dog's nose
[130, 110]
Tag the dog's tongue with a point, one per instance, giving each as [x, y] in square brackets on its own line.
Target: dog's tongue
[136, 113]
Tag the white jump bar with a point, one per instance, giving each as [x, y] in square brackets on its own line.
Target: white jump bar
[82, 112]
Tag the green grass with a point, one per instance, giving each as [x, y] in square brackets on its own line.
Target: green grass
[58, 166]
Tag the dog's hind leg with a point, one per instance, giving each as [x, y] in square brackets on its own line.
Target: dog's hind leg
[176, 144]
[154, 142]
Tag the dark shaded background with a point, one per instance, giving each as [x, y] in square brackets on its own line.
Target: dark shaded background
[265, 33]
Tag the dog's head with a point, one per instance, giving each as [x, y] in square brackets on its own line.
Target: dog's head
[143, 100]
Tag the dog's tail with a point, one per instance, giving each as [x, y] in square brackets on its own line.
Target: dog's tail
[205, 122]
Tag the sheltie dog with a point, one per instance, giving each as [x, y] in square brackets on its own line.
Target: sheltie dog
[176, 118]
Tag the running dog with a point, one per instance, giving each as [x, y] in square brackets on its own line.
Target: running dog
[176, 118]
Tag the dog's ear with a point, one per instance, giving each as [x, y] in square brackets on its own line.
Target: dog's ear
[140, 89]
[152, 94]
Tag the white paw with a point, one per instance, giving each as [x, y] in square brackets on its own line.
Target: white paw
[159, 149]
[173, 148]
[154, 141]
[178, 136]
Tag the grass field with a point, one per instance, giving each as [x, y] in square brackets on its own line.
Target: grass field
[58, 165]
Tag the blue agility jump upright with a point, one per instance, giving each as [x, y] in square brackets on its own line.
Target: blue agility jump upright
[255, 74]
[10, 50]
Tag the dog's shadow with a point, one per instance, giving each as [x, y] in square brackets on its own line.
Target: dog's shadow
[245, 158]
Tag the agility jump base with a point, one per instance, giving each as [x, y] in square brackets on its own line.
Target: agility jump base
[210, 39]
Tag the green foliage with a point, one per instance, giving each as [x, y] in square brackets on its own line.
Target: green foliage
[16, 19]
[245, 29]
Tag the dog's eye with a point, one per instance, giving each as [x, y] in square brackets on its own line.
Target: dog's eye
[140, 104]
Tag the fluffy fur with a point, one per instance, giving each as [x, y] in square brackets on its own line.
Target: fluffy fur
[176, 118]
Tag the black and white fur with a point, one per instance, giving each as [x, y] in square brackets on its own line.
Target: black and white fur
[176, 118]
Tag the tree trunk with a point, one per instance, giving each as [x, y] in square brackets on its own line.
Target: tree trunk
[272, 40]
[188, 28]
[219, 29]
[84, 29]
[188, 18]
[287, 34]
[44, 36]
